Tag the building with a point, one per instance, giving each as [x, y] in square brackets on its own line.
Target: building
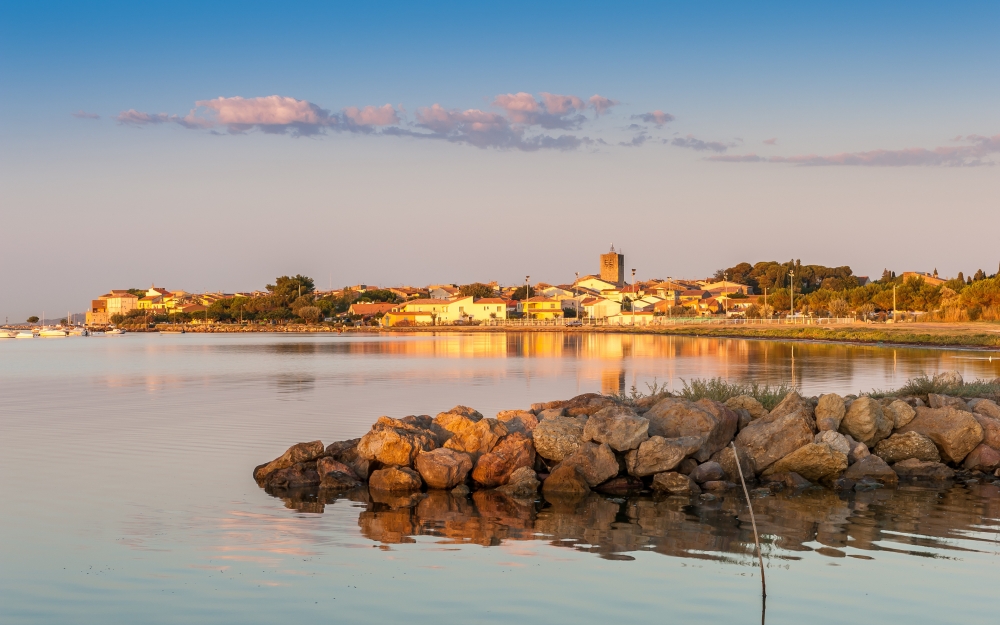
[631, 319]
[97, 314]
[402, 319]
[928, 278]
[600, 308]
[457, 310]
[725, 286]
[370, 309]
[543, 308]
[613, 267]
[442, 291]
[595, 284]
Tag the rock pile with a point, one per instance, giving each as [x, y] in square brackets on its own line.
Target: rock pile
[664, 444]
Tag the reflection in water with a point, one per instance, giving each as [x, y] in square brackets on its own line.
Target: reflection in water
[916, 520]
[292, 384]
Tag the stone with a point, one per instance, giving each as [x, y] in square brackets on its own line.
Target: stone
[745, 418]
[766, 441]
[395, 478]
[523, 484]
[551, 413]
[620, 427]
[907, 445]
[985, 407]
[335, 475]
[874, 468]
[299, 475]
[394, 443]
[300, 452]
[790, 480]
[982, 458]
[748, 403]
[945, 401]
[707, 472]
[557, 438]
[814, 462]
[472, 437]
[991, 429]
[955, 432]
[443, 468]
[565, 480]
[866, 422]
[711, 421]
[583, 405]
[687, 465]
[718, 485]
[900, 412]
[514, 452]
[857, 450]
[517, 420]
[914, 469]
[833, 438]
[791, 404]
[596, 463]
[468, 413]
[675, 484]
[346, 452]
[830, 411]
[659, 454]
[727, 459]
[949, 379]
[327, 464]
[460, 491]
[623, 485]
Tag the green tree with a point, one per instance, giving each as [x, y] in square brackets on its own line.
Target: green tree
[32, 319]
[519, 293]
[477, 290]
[310, 314]
[289, 288]
[378, 295]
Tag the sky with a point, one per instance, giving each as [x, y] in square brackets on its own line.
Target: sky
[214, 146]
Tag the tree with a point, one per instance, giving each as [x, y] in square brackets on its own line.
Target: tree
[477, 290]
[752, 312]
[289, 288]
[865, 310]
[839, 308]
[115, 319]
[378, 295]
[32, 319]
[310, 314]
[519, 293]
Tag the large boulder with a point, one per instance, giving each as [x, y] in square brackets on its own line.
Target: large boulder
[659, 454]
[557, 438]
[814, 462]
[872, 467]
[955, 432]
[830, 412]
[395, 443]
[518, 420]
[465, 411]
[907, 445]
[946, 401]
[513, 452]
[857, 450]
[866, 422]
[620, 427]
[950, 379]
[299, 475]
[985, 407]
[748, 403]
[565, 480]
[675, 484]
[346, 452]
[982, 458]
[735, 461]
[791, 404]
[596, 463]
[914, 469]
[836, 441]
[300, 452]
[711, 421]
[443, 468]
[707, 472]
[522, 484]
[991, 429]
[900, 412]
[327, 465]
[766, 441]
[395, 479]
[581, 405]
[469, 436]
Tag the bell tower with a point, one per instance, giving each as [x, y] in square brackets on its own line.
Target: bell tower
[613, 267]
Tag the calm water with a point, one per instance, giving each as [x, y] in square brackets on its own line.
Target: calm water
[127, 494]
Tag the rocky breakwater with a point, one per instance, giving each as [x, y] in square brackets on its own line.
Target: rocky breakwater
[661, 443]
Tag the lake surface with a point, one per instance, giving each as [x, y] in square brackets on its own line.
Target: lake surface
[127, 495]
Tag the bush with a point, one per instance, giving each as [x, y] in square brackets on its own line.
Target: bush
[923, 385]
[720, 390]
[309, 314]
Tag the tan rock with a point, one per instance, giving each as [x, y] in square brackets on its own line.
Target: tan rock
[949, 378]
[830, 411]
[557, 438]
[465, 411]
[748, 403]
[659, 454]
[517, 420]
[767, 441]
[328, 465]
[523, 484]
[914, 469]
[946, 401]
[300, 452]
[866, 422]
[727, 460]
[711, 421]
[982, 458]
[395, 443]
[907, 445]
[675, 484]
[393, 479]
[814, 461]
[618, 426]
[478, 439]
[596, 463]
[955, 432]
[443, 468]
[335, 475]
[299, 475]
[985, 407]
[836, 440]
[991, 429]
[513, 452]
[565, 480]
[872, 467]
[900, 412]
[857, 450]
[791, 404]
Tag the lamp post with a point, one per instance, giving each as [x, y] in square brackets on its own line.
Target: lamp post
[635, 294]
[725, 292]
[791, 288]
[894, 303]
[527, 295]
[670, 312]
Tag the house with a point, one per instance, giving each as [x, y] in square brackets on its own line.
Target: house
[540, 307]
[600, 308]
[930, 279]
[626, 318]
[646, 304]
[97, 314]
[595, 284]
[725, 286]
[402, 319]
[457, 310]
[370, 309]
[442, 291]
[556, 292]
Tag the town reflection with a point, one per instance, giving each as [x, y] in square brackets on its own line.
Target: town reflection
[916, 520]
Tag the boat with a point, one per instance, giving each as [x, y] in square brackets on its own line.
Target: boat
[114, 331]
[79, 332]
[52, 332]
[172, 331]
[7, 334]
[25, 334]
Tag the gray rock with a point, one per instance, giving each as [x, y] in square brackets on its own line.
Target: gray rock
[954, 432]
[945, 401]
[874, 468]
[907, 445]
[712, 422]
[718, 485]
[687, 465]
[914, 469]
[675, 484]
[523, 484]
[557, 437]
[659, 454]
[991, 429]
[596, 463]
[766, 441]
[707, 472]
[866, 422]
[857, 450]
[620, 427]
[793, 481]
[830, 411]
[836, 440]
[982, 458]
[300, 452]
[949, 378]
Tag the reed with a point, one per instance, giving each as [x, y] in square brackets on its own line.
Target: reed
[753, 521]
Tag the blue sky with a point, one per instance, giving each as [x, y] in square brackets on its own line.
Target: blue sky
[843, 120]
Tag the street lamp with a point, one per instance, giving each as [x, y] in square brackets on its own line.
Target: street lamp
[635, 294]
[527, 295]
[670, 313]
[791, 288]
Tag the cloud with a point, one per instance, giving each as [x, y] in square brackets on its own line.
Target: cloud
[976, 153]
[372, 116]
[551, 112]
[636, 141]
[81, 114]
[772, 141]
[692, 143]
[485, 129]
[561, 104]
[658, 118]
[133, 117]
[601, 104]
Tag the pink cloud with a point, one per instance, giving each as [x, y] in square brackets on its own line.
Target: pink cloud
[272, 110]
[522, 108]
[601, 104]
[772, 141]
[440, 119]
[372, 116]
[138, 118]
[561, 104]
[81, 114]
[657, 118]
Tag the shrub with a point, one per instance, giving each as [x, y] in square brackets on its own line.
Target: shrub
[720, 390]
[923, 385]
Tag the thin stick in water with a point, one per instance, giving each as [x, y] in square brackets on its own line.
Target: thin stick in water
[753, 521]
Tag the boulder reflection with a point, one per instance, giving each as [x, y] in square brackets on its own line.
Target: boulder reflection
[916, 520]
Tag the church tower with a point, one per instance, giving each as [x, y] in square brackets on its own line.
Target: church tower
[613, 267]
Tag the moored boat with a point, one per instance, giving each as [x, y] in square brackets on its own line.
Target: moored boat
[7, 334]
[25, 334]
[52, 332]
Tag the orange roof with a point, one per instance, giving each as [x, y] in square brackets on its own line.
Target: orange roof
[371, 308]
[429, 302]
[490, 300]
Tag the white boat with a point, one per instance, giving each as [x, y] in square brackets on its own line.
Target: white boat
[79, 332]
[7, 334]
[25, 334]
[115, 331]
[52, 332]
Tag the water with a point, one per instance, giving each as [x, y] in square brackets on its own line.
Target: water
[127, 494]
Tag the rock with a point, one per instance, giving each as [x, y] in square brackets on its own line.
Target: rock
[329, 465]
[625, 485]
[565, 480]
[711, 421]
[443, 468]
[300, 452]
[833, 438]
[914, 469]
[955, 432]
[949, 379]
[900, 412]
[985, 407]
[982, 458]
[472, 437]
[460, 491]
[792, 403]
[687, 465]
[748, 403]
[395, 478]
[707, 472]
[872, 467]
[857, 450]
[718, 485]
[346, 452]
[523, 484]
[830, 412]
[659, 454]
[551, 413]
[620, 427]
[675, 484]
[395, 443]
[766, 441]
[908, 445]
[513, 452]
[517, 420]
[468, 413]
[791, 480]
[991, 429]
[866, 422]
[557, 438]
[299, 475]
[814, 462]
[727, 460]
[745, 418]
[584, 405]
[596, 463]
[944, 401]
[336, 475]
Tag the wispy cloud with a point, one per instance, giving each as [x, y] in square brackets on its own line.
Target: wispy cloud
[602, 105]
[657, 118]
[81, 114]
[976, 152]
[771, 141]
[693, 143]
